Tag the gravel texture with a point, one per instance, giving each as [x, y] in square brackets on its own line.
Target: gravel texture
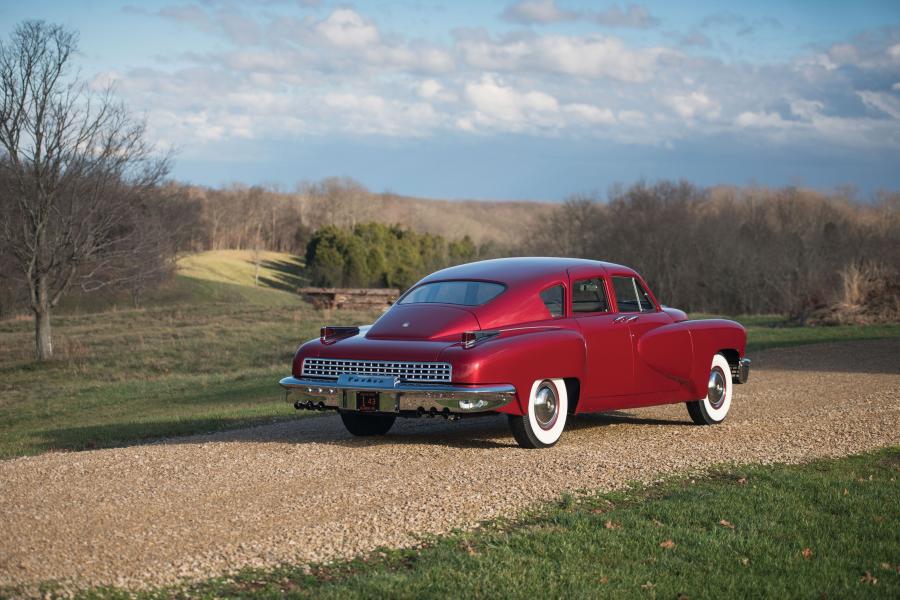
[307, 491]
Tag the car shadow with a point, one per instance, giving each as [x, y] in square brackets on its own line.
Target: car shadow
[488, 432]
[618, 417]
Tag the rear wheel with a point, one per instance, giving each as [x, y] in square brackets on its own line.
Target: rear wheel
[363, 424]
[714, 408]
[545, 420]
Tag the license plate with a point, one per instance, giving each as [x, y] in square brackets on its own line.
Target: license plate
[366, 401]
[366, 381]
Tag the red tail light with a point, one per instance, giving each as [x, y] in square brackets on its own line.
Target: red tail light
[470, 338]
[327, 334]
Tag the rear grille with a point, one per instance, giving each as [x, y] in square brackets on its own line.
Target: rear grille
[332, 368]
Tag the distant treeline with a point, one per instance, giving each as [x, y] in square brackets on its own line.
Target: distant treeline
[242, 217]
[731, 250]
[723, 250]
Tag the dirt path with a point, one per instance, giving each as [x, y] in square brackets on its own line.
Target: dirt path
[306, 490]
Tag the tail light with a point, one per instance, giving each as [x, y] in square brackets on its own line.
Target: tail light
[470, 338]
[328, 334]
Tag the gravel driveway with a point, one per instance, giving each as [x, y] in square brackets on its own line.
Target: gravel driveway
[306, 490]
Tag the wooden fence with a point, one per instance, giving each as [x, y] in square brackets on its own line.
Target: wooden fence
[357, 298]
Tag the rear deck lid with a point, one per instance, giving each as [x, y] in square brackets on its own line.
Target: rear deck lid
[423, 322]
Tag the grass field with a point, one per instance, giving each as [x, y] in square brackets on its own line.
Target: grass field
[827, 529]
[170, 369]
[204, 355]
[276, 270]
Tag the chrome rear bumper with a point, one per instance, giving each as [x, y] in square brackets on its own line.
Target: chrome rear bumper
[420, 398]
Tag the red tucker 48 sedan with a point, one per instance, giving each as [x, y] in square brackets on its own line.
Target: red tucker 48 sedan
[535, 338]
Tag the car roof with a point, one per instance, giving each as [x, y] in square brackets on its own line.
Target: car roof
[519, 270]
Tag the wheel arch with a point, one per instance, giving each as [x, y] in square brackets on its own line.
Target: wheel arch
[573, 391]
[520, 358]
[731, 355]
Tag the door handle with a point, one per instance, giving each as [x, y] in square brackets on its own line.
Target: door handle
[631, 319]
[619, 319]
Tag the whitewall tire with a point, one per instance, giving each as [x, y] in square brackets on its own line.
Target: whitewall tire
[543, 424]
[714, 408]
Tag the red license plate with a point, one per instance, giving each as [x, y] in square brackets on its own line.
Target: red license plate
[367, 401]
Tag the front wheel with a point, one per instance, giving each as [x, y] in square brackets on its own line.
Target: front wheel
[548, 405]
[714, 407]
[365, 425]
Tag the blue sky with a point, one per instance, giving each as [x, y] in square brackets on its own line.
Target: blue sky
[534, 99]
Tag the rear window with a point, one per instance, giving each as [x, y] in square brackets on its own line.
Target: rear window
[465, 293]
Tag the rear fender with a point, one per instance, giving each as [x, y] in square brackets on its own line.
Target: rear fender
[519, 358]
[683, 351]
[669, 349]
[710, 337]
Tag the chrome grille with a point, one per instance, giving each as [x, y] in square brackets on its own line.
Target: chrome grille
[332, 368]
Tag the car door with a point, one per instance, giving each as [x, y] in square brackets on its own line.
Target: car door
[637, 309]
[609, 352]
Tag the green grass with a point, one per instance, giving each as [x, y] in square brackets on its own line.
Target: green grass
[774, 331]
[277, 270]
[828, 529]
[172, 369]
[225, 276]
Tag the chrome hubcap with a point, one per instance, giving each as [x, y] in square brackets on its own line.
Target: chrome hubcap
[716, 386]
[546, 406]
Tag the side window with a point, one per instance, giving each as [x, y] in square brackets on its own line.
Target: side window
[643, 297]
[588, 296]
[631, 295]
[553, 300]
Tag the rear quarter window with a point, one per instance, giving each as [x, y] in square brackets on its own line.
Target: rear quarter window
[552, 298]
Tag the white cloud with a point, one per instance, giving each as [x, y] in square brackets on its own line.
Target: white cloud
[632, 117]
[887, 104]
[434, 91]
[337, 71]
[372, 114]
[545, 12]
[807, 109]
[501, 106]
[633, 16]
[429, 89]
[597, 56]
[260, 61]
[537, 12]
[894, 52]
[592, 56]
[346, 28]
[591, 114]
[762, 120]
[695, 104]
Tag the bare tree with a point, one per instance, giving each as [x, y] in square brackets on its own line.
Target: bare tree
[71, 162]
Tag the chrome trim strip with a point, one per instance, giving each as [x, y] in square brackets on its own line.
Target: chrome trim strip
[402, 396]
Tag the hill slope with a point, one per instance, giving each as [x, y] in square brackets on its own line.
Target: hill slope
[276, 269]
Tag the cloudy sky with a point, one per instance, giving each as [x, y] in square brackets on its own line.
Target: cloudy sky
[530, 99]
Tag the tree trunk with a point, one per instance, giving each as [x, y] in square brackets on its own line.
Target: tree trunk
[43, 343]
